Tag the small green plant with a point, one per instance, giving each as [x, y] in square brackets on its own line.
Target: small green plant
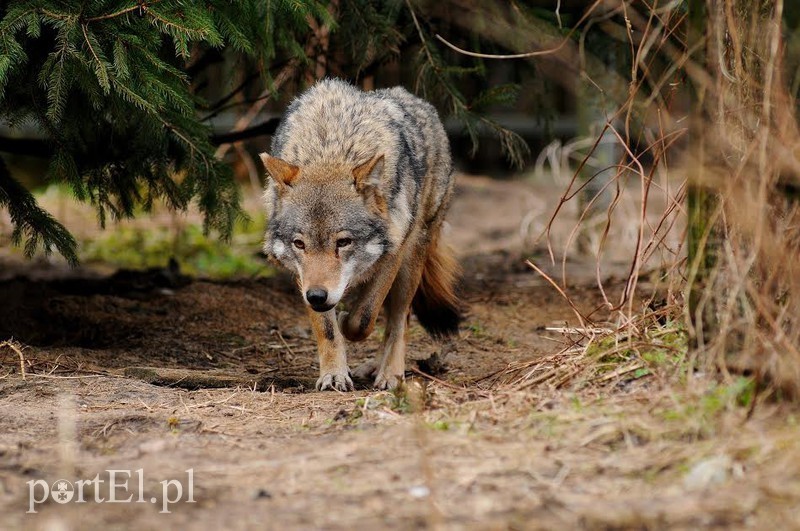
[477, 330]
[397, 400]
[440, 425]
[699, 414]
[660, 347]
[400, 401]
[740, 393]
[576, 404]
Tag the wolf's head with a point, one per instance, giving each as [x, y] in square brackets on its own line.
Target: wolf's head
[328, 223]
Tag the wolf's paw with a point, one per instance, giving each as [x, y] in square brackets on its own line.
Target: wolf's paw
[335, 382]
[387, 382]
[366, 370]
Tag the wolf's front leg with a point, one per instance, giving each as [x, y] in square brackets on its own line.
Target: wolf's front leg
[359, 322]
[333, 371]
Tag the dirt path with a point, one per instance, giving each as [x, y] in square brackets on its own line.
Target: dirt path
[266, 453]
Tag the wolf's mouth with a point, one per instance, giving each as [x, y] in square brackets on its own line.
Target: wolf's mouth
[321, 308]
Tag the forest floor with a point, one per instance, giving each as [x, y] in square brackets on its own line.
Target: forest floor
[153, 374]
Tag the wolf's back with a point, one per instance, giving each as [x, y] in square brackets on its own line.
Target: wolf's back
[335, 121]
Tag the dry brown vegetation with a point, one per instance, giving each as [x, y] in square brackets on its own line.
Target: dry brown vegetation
[749, 303]
[717, 119]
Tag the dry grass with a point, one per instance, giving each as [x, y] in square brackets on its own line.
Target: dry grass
[748, 313]
[15, 347]
[736, 141]
[705, 396]
[580, 456]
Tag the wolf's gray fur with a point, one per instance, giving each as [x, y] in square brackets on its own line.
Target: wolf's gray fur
[335, 122]
[360, 184]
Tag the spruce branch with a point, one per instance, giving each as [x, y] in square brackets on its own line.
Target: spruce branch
[141, 6]
[32, 225]
[117, 111]
[101, 71]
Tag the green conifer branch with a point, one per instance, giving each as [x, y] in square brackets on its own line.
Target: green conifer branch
[32, 224]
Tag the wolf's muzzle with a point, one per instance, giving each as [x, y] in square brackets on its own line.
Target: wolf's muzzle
[318, 299]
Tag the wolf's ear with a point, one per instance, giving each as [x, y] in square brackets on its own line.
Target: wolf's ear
[369, 173]
[285, 174]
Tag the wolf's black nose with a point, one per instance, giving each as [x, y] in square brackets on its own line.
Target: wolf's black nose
[316, 296]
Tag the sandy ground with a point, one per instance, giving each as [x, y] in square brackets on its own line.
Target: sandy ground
[155, 373]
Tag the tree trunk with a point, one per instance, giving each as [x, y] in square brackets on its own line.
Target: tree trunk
[703, 239]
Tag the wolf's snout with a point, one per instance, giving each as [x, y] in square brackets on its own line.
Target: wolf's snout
[318, 299]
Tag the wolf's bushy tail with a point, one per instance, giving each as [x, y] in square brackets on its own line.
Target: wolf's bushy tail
[436, 302]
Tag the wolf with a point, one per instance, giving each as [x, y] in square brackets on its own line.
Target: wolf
[359, 184]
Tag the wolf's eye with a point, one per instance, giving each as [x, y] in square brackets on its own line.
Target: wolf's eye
[299, 244]
[343, 242]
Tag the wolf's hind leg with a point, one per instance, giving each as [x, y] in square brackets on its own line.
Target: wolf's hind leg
[333, 371]
[398, 304]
